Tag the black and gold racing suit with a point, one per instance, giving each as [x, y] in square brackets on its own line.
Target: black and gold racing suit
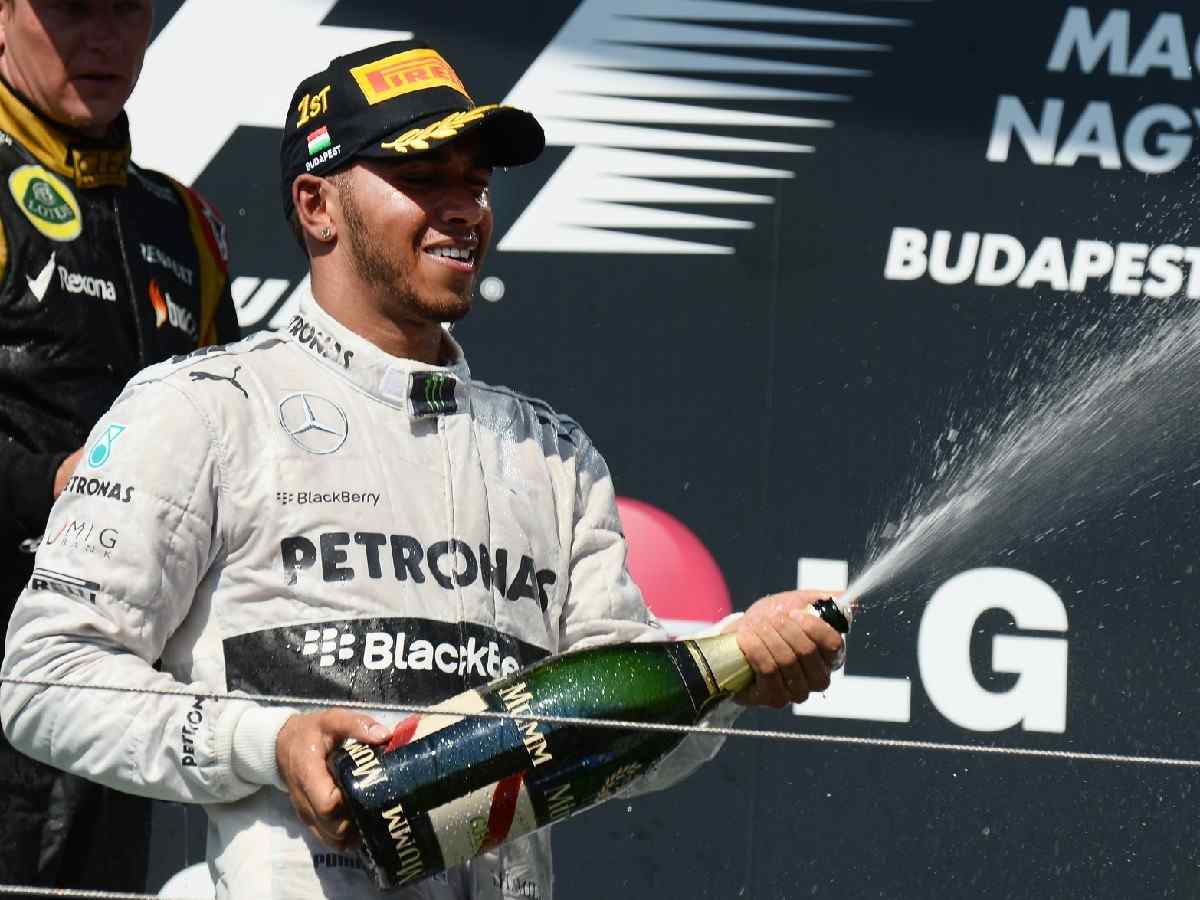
[105, 268]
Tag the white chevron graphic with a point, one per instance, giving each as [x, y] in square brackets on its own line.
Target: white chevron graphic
[38, 285]
[192, 95]
[614, 84]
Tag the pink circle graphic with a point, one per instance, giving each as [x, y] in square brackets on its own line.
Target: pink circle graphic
[678, 576]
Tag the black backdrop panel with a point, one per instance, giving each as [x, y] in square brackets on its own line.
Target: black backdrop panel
[850, 373]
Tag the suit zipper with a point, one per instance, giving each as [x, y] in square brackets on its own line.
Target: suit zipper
[443, 429]
[133, 299]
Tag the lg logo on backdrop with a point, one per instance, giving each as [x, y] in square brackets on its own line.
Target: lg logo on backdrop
[1038, 700]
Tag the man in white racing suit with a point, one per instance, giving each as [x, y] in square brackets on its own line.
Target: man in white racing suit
[339, 511]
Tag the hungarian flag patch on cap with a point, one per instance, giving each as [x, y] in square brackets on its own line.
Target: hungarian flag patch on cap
[318, 140]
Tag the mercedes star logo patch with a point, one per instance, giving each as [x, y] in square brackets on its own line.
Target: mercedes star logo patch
[314, 423]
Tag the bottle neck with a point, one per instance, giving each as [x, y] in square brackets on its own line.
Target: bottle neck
[723, 662]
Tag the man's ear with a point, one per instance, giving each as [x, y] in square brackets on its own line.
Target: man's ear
[315, 202]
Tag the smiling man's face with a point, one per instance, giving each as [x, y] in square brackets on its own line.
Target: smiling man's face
[418, 229]
[76, 60]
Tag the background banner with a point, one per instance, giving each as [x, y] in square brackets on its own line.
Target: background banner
[909, 285]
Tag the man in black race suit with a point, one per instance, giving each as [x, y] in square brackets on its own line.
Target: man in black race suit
[105, 268]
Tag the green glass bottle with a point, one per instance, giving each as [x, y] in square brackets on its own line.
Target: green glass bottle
[450, 785]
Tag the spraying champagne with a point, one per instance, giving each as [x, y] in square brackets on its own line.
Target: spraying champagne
[450, 785]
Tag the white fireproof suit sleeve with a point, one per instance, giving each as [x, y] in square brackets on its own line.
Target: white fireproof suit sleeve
[101, 607]
[604, 605]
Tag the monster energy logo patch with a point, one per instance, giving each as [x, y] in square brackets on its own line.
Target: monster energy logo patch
[433, 394]
[43, 201]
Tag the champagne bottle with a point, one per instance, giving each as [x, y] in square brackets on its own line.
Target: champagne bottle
[449, 785]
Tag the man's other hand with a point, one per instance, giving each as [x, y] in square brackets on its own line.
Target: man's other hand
[790, 650]
[65, 470]
[303, 744]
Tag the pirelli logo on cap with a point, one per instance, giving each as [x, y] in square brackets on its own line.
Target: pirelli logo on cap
[403, 73]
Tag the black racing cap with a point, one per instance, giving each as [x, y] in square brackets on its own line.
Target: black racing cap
[393, 101]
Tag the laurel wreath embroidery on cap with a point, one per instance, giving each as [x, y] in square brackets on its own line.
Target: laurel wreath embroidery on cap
[418, 138]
